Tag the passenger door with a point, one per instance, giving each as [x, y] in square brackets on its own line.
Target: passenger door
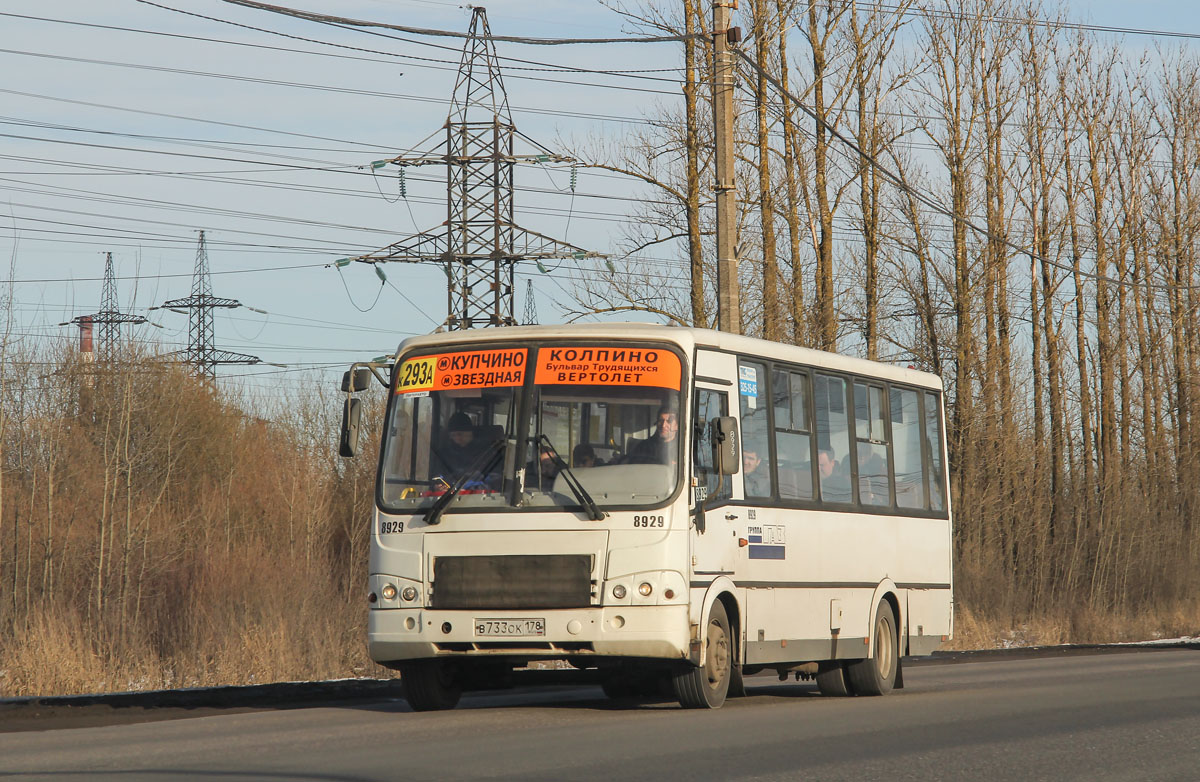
[714, 550]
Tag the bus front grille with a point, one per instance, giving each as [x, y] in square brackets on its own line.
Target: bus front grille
[517, 581]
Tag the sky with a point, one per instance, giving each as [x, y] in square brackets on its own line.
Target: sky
[128, 127]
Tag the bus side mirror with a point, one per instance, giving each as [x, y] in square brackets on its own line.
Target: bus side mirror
[727, 452]
[356, 380]
[351, 414]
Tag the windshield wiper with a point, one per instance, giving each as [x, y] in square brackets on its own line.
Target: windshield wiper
[481, 465]
[581, 494]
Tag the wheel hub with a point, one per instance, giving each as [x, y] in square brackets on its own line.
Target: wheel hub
[718, 654]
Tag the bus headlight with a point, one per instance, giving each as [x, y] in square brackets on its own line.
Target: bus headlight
[409, 593]
[644, 589]
[388, 592]
[618, 591]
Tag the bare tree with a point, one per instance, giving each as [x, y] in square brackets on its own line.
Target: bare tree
[765, 22]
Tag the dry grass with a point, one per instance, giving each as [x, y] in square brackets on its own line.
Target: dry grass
[152, 535]
[1082, 626]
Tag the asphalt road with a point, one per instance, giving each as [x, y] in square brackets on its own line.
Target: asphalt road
[1132, 716]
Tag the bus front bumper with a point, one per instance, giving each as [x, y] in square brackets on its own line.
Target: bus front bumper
[612, 631]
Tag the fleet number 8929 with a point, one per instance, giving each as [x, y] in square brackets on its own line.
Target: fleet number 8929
[649, 521]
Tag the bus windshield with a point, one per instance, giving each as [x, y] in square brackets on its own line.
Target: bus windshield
[609, 426]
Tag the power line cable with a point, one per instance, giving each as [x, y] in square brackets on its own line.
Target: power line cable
[206, 74]
[320, 87]
[341, 20]
[150, 221]
[293, 267]
[537, 66]
[186, 118]
[25, 122]
[414, 305]
[354, 169]
[1016, 20]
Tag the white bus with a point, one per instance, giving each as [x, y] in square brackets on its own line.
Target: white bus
[663, 505]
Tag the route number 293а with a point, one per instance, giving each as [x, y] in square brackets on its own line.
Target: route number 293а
[648, 521]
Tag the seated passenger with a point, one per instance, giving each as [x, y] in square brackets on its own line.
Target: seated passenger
[662, 447]
[540, 473]
[756, 476]
[584, 456]
[835, 479]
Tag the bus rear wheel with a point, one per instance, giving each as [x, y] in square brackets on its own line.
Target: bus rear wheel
[706, 687]
[831, 679]
[876, 675]
[430, 685]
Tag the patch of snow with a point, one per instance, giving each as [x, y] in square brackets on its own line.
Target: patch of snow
[1162, 641]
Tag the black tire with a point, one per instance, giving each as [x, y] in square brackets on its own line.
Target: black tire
[876, 675]
[430, 685]
[737, 683]
[831, 679]
[706, 687]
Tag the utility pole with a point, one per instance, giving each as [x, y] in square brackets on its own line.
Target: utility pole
[479, 243]
[109, 318]
[200, 352]
[729, 316]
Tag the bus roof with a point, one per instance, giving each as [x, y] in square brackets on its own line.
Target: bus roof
[687, 338]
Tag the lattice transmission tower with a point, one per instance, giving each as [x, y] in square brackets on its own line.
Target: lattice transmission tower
[531, 318]
[200, 353]
[479, 244]
[110, 319]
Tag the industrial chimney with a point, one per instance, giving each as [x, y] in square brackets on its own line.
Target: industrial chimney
[86, 351]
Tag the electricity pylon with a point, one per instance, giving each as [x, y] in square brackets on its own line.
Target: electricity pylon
[200, 352]
[479, 243]
[530, 305]
[109, 318]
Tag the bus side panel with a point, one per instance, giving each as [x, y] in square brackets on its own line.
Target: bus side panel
[929, 612]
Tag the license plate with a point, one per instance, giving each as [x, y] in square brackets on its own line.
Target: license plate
[510, 627]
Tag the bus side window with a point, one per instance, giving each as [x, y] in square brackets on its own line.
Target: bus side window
[871, 446]
[833, 439]
[906, 447]
[709, 405]
[793, 441]
[933, 438]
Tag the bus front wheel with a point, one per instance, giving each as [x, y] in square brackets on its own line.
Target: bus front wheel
[430, 685]
[706, 687]
[876, 675]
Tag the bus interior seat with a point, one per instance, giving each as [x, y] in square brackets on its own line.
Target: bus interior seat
[486, 434]
[795, 482]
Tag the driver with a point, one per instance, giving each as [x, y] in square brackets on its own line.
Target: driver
[661, 448]
[460, 448]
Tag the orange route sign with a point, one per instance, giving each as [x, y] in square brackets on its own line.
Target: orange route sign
[608, 366]
[463, 369]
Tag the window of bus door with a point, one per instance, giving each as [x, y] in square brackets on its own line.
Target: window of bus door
[793, 435]
[450, 414]
[618, 429]
[871, 446]
[756, 448]
[709, 405]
